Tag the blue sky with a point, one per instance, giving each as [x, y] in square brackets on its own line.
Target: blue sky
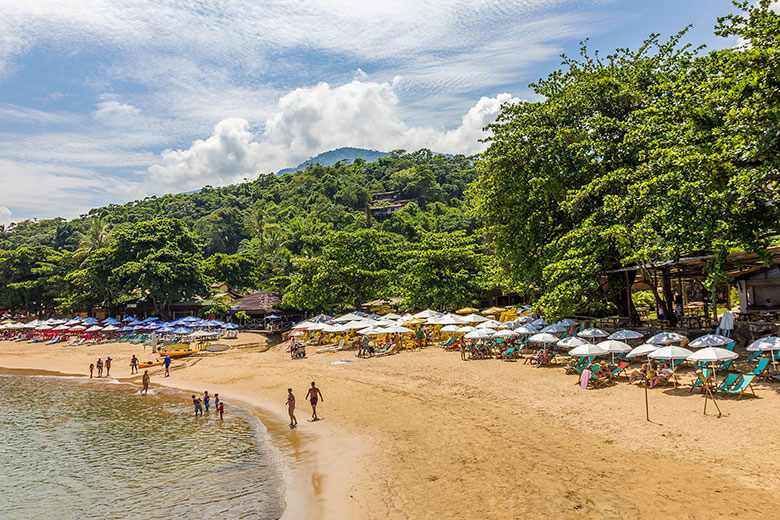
[110, 101]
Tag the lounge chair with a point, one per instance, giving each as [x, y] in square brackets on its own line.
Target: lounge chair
[706, 375]
[597, 381]
[743, 385]
[727, 383]
[761, 367]
[621, 369]
[449, 342]
[725, 366]
[753, 355]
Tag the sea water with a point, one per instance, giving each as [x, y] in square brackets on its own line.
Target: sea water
[77, 448]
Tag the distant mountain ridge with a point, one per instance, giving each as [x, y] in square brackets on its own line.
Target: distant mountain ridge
[347, 154]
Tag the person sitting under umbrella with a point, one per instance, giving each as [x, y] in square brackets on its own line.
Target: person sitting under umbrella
[664, 375]
[638, 374]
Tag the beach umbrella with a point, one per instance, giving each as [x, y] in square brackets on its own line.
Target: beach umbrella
[467, 310]
[347, 318]
[765, 344]
[526, 329]
[153, 326]
[355, 325]
[398, 329]
[161, 330]
[493, 310]
[479, 333]
[466, 328]
[273, 317]
[710, 340]
[712, 355]
[593, 333]
[43, 327]
[554, 328]
[474, 318]
[614, 346]
[587, 350]
[78, 328]
[505, 333]
[94, 328]
[543, 337]
[572, 341]
[316, 326]
[182, 330]
[642, 350]
[61, 327]
[567, 322]
[90, 321]
[109, 328]
[111, 321]
[427, 313]
[74, 321]
[489, 324]
[625, 334]
[372, 331]
[128, 318]
[670, 353]
[540, 322]
[666, 338]
[230, 326]
[391, 316]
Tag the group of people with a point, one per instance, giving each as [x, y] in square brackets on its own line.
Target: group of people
[205, 402]
[314, 395]
[100, 365]
[652, 374]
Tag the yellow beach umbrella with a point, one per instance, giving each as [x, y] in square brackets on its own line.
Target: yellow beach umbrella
[466, 310]
[415, 321]
[493, 310]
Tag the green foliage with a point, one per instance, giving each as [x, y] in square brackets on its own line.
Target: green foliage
[237, 270]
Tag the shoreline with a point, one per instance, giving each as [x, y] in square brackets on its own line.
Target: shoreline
[423, 434]
[295, 454]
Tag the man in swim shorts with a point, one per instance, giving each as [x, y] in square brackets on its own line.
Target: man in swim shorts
[167, 363]
[291, 408]
[198, 406]
[99, 366]
[108, 365]
[313, 395]
[133, 365]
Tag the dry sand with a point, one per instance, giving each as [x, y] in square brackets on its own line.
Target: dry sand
[424, 435]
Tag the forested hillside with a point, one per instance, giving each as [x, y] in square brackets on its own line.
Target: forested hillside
[263, 234]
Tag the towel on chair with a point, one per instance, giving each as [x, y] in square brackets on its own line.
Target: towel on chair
[584, 379]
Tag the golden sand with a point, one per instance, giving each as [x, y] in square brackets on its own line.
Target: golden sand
[425, 435]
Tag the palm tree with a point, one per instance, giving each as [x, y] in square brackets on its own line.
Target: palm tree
[96, 236]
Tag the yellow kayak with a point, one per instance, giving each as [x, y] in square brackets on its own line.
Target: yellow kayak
[178, 353]
[149, 364]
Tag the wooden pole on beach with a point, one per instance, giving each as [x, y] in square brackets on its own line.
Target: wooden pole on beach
[647, 405]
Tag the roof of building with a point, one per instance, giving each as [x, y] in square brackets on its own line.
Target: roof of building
[259, 302]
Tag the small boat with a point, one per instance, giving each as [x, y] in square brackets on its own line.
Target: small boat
[177, 353]
[150, 364]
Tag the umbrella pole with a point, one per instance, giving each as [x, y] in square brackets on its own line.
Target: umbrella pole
[647, 405]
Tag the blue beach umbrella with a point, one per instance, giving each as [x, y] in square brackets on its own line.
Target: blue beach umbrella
[182, 330]
[164, 330]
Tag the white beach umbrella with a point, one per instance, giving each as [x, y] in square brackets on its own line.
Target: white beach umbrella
[670, 352]
[316, 326]
[479, 333]
[540, 322]
[393, 329]
[304, 325]
[642, 350]
[593, 332]
[765, 344]
[427, 313]
[555, 327]
[94, 328]
[61, 327]
[625, 334]
[543, 337]
[391, 316]
[109, 328]
[78, 328]
[505, 333]
[490, 324]
[526, 329]
[347, 318]
[587, 350]
[568, 322]
[710, 340]
[372, 331]
[523, 319]
[666, 338]
[474, 318]
[43, 327]
[355, 325]
[572, 341]
[712, 355]
[450, 328]
[466, 328]
[330, 329]
[614, 346]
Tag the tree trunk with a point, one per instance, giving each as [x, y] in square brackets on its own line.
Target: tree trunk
[666, 281]
[618, 291]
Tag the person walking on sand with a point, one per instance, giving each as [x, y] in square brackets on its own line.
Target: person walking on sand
[291, 408]
[198, 407]
[145, 381]
[313, 395]
[108, 365]
[206, 400]
[167, 363]
[133, 365]
[91, 369]
[99, 365]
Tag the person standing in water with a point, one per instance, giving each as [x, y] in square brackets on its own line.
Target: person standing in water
[220, 409]
[99, 365]
[198, 407]
[313, 395]
[206, 400]
[133, 365]
[91, 369]
[108, 365]
[291, 408]
[167, 363]
[145, 381]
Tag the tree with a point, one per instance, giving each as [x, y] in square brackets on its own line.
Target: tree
[443, 270]
[96, 236]
[353, 268]
[236, 270]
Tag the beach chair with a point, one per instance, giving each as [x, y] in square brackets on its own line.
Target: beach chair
[753, 355]
[743, 385]
[725, 366]
[706, 375]
[449, 342]
[727, 383]
[761, 367]
[597, 381]
[621, 369]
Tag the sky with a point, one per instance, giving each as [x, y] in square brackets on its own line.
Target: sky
[111, 101]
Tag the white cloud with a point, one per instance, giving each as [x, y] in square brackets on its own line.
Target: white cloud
[114, 113]
[5, 216]
[312, 120]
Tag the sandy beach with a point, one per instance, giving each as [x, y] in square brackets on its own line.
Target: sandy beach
[425, 435]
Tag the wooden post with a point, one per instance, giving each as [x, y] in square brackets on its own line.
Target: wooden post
[647, 405]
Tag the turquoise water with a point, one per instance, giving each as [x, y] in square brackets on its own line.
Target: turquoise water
[73, 448]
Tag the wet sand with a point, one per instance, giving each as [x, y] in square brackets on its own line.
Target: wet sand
[425, 435]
